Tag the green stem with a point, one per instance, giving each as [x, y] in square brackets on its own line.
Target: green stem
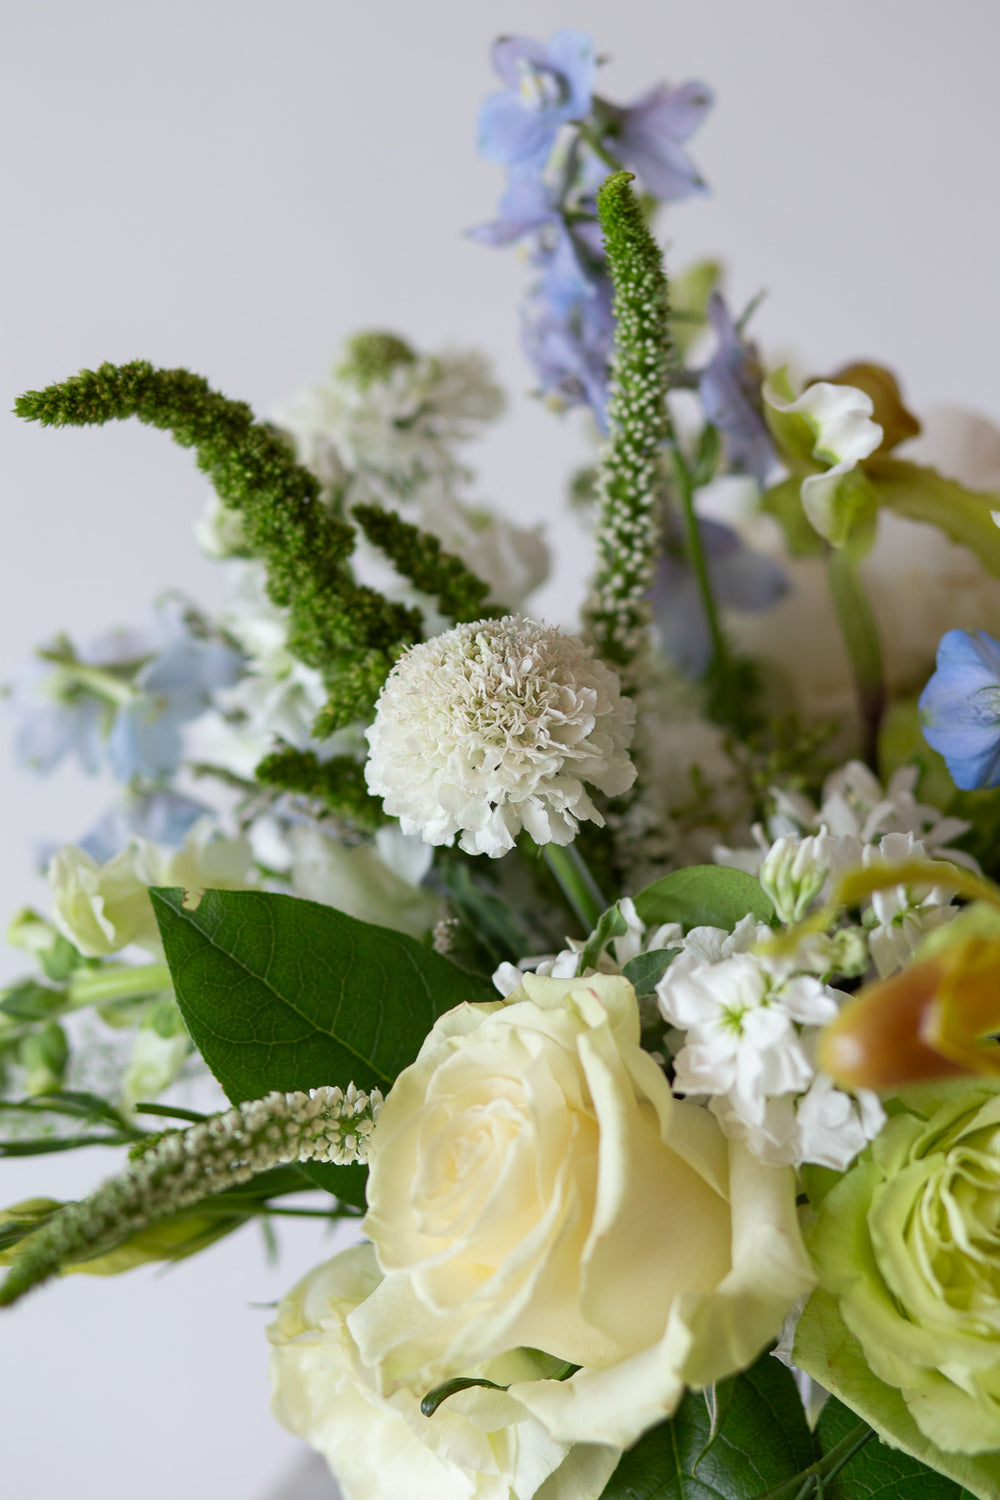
[864, 650]
[813, 1480]
[576, 883]
[117, 982]
[593, 140]
[720, 665]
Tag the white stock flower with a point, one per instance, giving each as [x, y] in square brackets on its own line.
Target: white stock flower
[279, 694]
[899, 917]
[479, 1445]
[493, 727]
[387, 438]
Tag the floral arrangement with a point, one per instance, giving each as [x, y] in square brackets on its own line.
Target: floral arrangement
[628, 996]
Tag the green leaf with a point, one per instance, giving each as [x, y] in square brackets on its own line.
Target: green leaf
[923, 494]
[611, 925]
[280, 993]
[878, 1470]
[704, 896]
[762, 1441]
[829, 1352]
[30, 1001]
[645, 971]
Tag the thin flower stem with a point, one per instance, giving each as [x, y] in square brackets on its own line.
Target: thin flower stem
[864, 650]
[720, 665]
[118, 982]
[593, 140]
[576, 883]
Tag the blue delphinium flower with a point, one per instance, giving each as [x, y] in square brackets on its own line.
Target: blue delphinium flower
[648, 137]
[730, 393]
[163, 816]
[569, 349]
[960, 708]
[548, 84]
[570, 257]
[121, 700]
[740, 577]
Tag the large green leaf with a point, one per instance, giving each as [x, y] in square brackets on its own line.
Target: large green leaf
[280, 993]
[877, 1470]
[762, 1441]
[704, 896]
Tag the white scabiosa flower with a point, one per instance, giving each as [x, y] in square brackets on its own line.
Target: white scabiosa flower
[493, 727]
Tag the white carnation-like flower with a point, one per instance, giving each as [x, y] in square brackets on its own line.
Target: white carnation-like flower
[493, 727]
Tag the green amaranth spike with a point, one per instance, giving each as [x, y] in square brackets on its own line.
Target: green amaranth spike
[420, 557]
[338, 784]
[335, 624]
[181, 1167]
[628, 533]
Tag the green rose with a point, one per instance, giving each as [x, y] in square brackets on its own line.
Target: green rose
[908, 1243]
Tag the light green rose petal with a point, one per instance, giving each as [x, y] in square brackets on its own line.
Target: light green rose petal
[829, 1352]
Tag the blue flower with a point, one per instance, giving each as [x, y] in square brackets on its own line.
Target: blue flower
[960, 708]
[730, 394]
[649, 134]
[548, 84]
[570, 258]
[569, 348]
[740, 578]
[122, 699]
[163, 816]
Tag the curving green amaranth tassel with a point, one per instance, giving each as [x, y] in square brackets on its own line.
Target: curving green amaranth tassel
[628, 532]
[333, 621]
[419, 556]
[182, 1167]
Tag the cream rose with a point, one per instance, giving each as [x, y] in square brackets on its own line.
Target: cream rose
[534, 1182]
[480, 1445]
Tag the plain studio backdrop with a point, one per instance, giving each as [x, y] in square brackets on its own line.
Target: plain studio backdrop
[234, 186]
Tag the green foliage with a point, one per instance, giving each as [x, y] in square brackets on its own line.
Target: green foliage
[877, 1470]
[704, 896]
[337, 785]
[645, 971]
[611, 925]
[761, 1441]
[333, 621]
[419, 556]
[629, 483]
[923, 494]
[280, 993]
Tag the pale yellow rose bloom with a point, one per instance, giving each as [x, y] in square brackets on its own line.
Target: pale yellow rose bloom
[479, 1445]
[534, 1182]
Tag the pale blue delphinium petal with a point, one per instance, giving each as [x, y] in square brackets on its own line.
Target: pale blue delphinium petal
[960, 708]
[548, 84]
[740, 578]
[569, 351]
[648, 136]
[730, 389]
[571, 259]
[162, 816]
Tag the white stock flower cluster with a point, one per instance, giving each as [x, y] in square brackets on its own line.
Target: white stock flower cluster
[749, 1022]
[496, 726]
[804, 849]
[389, 437]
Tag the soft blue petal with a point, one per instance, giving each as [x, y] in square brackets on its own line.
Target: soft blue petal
[507, 52]
[960, 707]
[571, 53]
[165, 817]
[509, 133]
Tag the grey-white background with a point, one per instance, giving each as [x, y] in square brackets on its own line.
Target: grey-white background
[234, 185]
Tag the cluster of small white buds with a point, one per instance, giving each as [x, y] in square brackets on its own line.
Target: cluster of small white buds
[177, 1170]
[793, 872]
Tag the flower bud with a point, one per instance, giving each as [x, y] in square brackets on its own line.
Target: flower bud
[793, 873]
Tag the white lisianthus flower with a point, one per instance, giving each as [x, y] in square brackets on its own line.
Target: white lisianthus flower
[535, 1182]
[839, 420]
[493, 727]
[102, 908]
[376, 882]
[479, 1445]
